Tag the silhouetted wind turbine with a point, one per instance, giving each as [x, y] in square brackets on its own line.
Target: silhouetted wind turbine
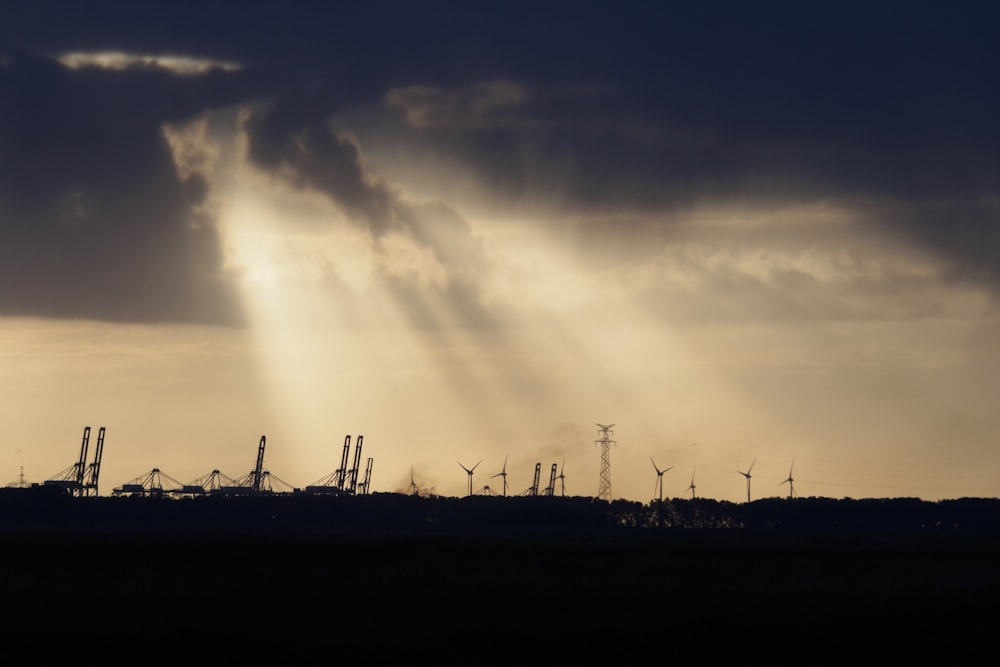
[747, 475]
[414, 491]
[503, 473]
[470, 471]
[659, 478]
[562, 477]
[691, 488]
[790, 482]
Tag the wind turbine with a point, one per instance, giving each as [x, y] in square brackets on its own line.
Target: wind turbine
[562, 478]
[503, 473]
[747, 475]
[691, 488]
[470, 471]
[659, 478]
[790, 482]
[414, 491]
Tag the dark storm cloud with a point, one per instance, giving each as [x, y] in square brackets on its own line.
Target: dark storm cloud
[651, 108]
[314, 157]
[880, 106]
[95, 221]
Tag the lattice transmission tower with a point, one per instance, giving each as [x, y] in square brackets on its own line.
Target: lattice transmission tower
[605, 441]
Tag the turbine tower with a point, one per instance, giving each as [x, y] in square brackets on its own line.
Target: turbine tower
[692, 487]
[470, 471]
[562, 478]
[605, 441]
[503, 473]
[747, 475]
[659, 478]
[790, 482]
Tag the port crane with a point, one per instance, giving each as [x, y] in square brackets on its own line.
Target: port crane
[353, 473]
[533, 490]
[89, 485]
[344, 479]
[255, 479]
[80, 479]
[550, 490]
[363, 486]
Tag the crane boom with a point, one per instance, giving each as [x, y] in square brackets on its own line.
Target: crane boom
[260, 464]
[94, 469]
[81, 466]
[368, 477]
[357, 461]
[341, 474]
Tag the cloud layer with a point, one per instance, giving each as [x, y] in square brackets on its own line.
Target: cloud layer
[597, 113]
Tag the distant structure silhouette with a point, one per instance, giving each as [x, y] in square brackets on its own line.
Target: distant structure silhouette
[659, 479]
[747, 475]
[90, 478]
[366, 481]
[214, 482]
[344, 479]
[414, 491]
[503, 473]
[81, 479]
[21, 483]
[258, 481]
[790, 482]
[340, 475]
[550, 490]
[605, 441]
[562, 478]
[255, 478]
[470, 471]
[533, 489]
[692, 487]
[153, 483]
[352, 474]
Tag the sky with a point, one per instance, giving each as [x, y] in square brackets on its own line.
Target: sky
[745, 234]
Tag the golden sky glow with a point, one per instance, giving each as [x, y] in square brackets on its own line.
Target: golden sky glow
[866, 406]
[744, 247]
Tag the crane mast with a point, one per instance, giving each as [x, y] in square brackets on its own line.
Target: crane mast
[94, 469]
[341, 474]
[81, 466]
[368, 477]
[357, 461]
[260, 464]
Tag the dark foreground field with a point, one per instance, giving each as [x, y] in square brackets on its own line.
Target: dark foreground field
[499, 595]
[510, 597]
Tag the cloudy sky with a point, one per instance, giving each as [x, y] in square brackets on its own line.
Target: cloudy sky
[743, 233]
